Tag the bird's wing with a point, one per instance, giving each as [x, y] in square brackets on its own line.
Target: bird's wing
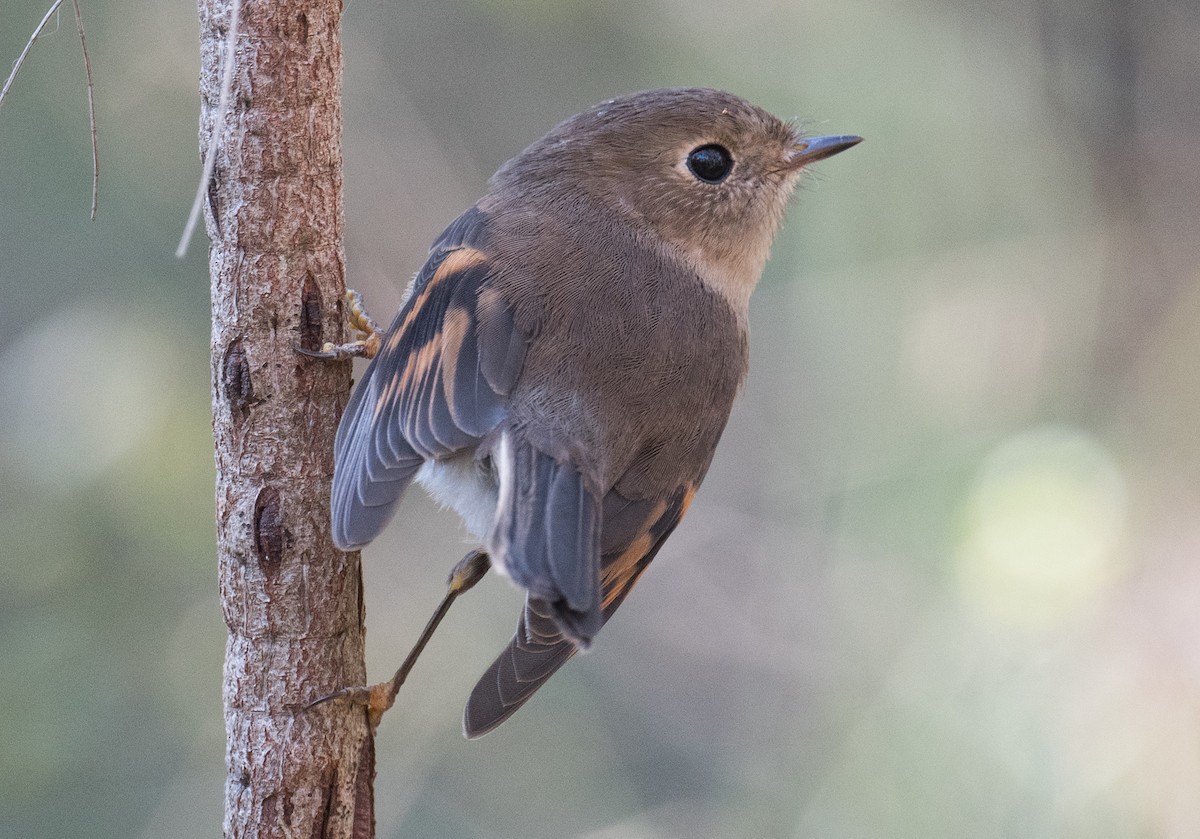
[438, 385]
[632, 533]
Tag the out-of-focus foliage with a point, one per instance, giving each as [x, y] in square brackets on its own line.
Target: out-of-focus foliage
[942, 580]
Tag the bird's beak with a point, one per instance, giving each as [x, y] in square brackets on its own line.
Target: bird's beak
[811, 149]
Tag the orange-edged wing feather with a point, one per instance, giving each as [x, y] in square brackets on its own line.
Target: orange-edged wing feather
[439, 384]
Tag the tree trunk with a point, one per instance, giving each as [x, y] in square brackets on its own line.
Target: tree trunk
[292, 602]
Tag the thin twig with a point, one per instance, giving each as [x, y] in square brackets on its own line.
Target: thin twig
[87, 66]
[218, 132]
[21, 58]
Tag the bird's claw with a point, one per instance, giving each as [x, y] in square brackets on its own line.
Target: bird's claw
[366, 337]
[377, 699]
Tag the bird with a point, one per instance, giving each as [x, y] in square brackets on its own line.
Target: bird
[562, 367]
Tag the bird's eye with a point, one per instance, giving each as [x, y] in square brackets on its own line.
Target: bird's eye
[710, 163]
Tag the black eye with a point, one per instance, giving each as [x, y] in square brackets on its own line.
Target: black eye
[710, 163]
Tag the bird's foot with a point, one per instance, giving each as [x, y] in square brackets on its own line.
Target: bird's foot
[379, 698]
[366, 337]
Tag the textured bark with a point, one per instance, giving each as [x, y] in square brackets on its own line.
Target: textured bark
[292, 602]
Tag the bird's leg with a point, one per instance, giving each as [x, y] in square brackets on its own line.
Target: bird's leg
[379, 698]
[366, 336]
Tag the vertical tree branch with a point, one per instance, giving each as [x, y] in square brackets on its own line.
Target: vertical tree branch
[293, 604]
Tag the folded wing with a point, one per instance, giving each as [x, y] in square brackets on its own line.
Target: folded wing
[439, 384]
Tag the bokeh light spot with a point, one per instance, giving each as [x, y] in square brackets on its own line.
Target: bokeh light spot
[78, 390]
[1043, 527]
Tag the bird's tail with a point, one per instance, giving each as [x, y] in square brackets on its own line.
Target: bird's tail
[533, 655]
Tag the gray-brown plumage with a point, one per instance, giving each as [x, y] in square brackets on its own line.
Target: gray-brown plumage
[566, 360]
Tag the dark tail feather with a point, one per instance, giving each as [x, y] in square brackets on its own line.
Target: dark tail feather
[541, 646]
[536, 651]
[551, 530]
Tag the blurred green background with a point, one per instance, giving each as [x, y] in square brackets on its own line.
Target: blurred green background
[942, 580]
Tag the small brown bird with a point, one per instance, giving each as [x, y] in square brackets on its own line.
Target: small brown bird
[564, 364]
